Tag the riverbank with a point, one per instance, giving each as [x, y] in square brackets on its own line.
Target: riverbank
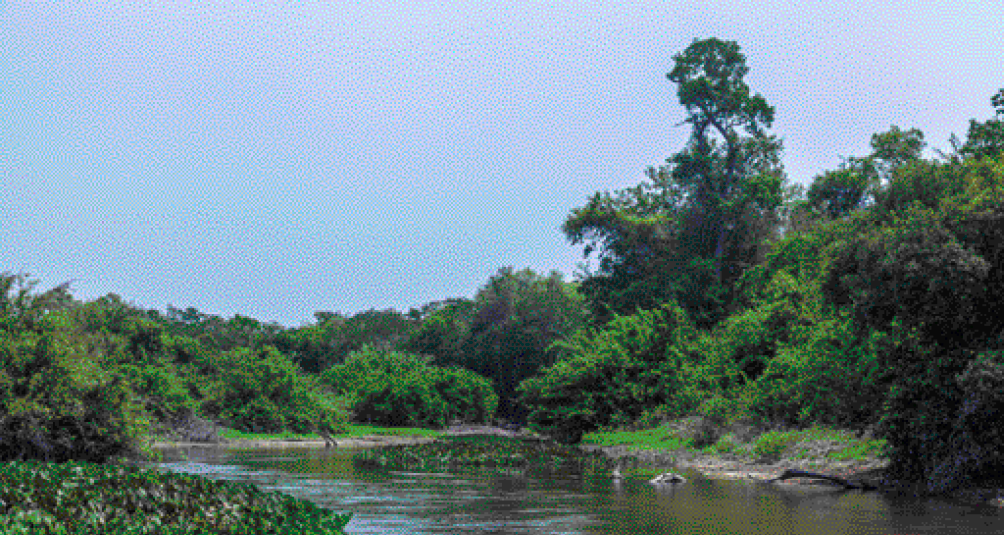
[367, 441]
[359, 436]
[763, 456]
[759, 457]
[988, 491]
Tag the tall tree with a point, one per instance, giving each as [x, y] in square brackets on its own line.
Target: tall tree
[705, 216]
[721, 164]
[986, 139]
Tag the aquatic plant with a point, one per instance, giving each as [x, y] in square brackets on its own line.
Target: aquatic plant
[491, 452]
[85, 499]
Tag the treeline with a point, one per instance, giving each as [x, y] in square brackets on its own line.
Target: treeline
[91, 380]
[878, 308]
[869, 301]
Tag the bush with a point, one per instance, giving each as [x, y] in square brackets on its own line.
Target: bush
[771, 445]
[612, 376]
[400, 389]
[55, 402]
[263, 391]
[160, 390]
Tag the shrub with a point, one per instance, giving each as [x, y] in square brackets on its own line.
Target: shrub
[400, 389]
[612, 376]
[55, 402]
[264, 391]
[771, 445]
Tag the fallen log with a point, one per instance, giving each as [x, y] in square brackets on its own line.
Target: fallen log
[328, 439]
[846, 483]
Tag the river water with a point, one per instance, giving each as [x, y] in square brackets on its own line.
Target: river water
[473, 502]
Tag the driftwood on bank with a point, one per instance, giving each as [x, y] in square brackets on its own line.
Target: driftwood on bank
[329, 440]
[846, 483]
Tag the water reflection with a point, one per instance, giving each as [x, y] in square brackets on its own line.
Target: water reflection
[416, 502]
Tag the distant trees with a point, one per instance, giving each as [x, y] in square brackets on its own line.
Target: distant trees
[986, 139]
[334, 336]
[838, 192]
[505, 333]
[401, 389]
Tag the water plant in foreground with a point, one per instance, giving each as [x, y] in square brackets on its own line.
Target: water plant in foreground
[88, 499]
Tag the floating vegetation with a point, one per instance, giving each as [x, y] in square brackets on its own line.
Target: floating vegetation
[89, 499]
[487, 452]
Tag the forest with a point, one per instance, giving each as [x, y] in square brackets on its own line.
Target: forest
[869, 301]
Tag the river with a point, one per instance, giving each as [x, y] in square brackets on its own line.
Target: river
[474, 502]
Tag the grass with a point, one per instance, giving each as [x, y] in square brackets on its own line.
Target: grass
[816, 443]
[353, 431]
[363, 430]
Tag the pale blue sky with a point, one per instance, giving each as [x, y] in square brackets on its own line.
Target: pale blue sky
[272, 159]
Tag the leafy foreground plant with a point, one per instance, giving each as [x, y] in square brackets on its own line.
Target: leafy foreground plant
[87, 499]
[483, 452]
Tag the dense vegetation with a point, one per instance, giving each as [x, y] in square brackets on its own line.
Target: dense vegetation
[87, 499]
[869, 302]
[877, 309]
[486, 453]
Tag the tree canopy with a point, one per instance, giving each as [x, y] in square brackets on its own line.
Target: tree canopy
[701, 219]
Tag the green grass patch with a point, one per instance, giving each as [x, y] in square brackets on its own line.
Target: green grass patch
[87, 499]
[233, 434]
[862, 449]
[353, 431]
[771, 446]
[814, 443]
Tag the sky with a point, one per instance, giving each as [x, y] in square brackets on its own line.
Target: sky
[276, 158]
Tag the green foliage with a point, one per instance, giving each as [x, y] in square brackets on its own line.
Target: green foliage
[824, 376]
[771, 446]
[398, 389]
[930, 281]
[215, 333]
[263, 391]
[839, 192]
[611, 376]
[505, 332]
[162, 393]
[986, 139]
[318, 347]
[54, 402]
[924, 182]
[705, 217]
[915, 270]
[85, 499]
